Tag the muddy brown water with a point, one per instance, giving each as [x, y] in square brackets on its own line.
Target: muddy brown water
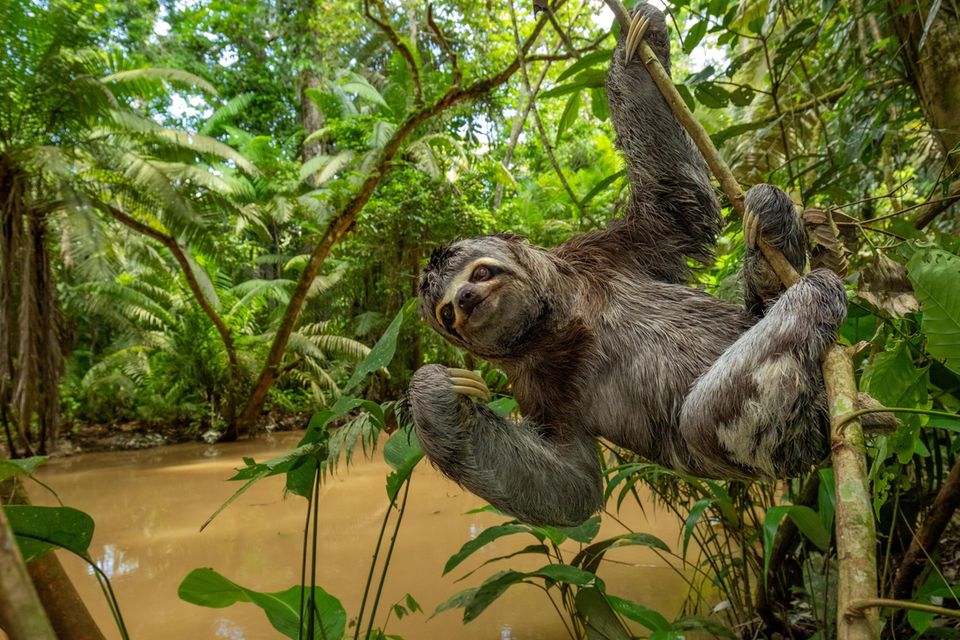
[149, 505]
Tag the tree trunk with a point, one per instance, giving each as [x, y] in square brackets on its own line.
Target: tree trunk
[933, 71]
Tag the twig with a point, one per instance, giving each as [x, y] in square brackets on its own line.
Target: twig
[856, 607]
[931, 210]
[398, 44]
[445, 45]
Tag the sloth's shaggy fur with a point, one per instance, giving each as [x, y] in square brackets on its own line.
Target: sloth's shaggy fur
[602, 337]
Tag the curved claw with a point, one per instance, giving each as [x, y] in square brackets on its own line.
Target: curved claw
[751, 228]
[469, 384]
[638, 27]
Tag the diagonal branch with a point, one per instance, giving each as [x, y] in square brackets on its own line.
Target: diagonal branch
[347, 216]
[398, 44]
[178, 253]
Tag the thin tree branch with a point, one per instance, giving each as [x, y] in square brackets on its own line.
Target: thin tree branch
[445, 45]
[541, 130]
[398, 44]
[931, 210]
[516, 128]
[178, 253]
[347, 216]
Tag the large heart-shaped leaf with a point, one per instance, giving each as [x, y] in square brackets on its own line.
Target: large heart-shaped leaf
[40, 529]
[207, 588]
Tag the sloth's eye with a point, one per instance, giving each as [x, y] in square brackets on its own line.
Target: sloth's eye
[447, 313]
[480, 274]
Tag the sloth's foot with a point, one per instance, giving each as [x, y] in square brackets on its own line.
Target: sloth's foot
[638, 27]
[468, 383]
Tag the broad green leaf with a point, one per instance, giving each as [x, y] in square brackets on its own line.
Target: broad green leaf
[402, 452]
[583, 533]
[484, 538]
[598, 104]
[694, 36]
[569, 115]
[23, 466]
[771, 523]
[598, 616]
[810, 526]
[207, 588]
[456, 601]
[382, 352]
[590, 557]
[639, 613]
[489, 591]
[935, 275]
[601, 57]
[40, 529]
[568, 574]
[711, 95]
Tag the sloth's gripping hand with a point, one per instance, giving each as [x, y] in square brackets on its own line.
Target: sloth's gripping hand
[509, 464]
[770, 215]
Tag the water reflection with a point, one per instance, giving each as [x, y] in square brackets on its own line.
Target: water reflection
[113, 562]
[149, 505]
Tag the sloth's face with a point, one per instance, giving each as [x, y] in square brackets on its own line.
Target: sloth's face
[477, 295]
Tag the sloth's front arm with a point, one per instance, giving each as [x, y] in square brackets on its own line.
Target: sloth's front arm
[511, 465]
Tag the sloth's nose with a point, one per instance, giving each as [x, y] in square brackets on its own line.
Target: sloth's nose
[467, 299]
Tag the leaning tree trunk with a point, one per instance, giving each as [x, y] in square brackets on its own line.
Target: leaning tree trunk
[933, 71]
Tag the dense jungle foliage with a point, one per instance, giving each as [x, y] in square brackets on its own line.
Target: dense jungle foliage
[213, 215]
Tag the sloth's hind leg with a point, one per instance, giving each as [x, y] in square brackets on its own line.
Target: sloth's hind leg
[759, 411]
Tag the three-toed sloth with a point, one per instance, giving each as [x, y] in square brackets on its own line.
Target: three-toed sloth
[603, 338]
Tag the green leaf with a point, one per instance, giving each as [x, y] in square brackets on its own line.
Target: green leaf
[598, 104]
[935, 275]
[589, 557]
[492, 588]
[711, 95]
[207, 588]
[561, 90]
[23, 466]
[584, 532]
[598, 616]
[688, 100]
[484, 538]
[771, 523]
[570, 113]
[742, 96]
[568, 574]
[639, 613]
[810, 525]
[692, 519]
[735, 130]
[590, 60]
[694, 36]
[402, 452]
[603, 184]
[40, 529]
[382, 352]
